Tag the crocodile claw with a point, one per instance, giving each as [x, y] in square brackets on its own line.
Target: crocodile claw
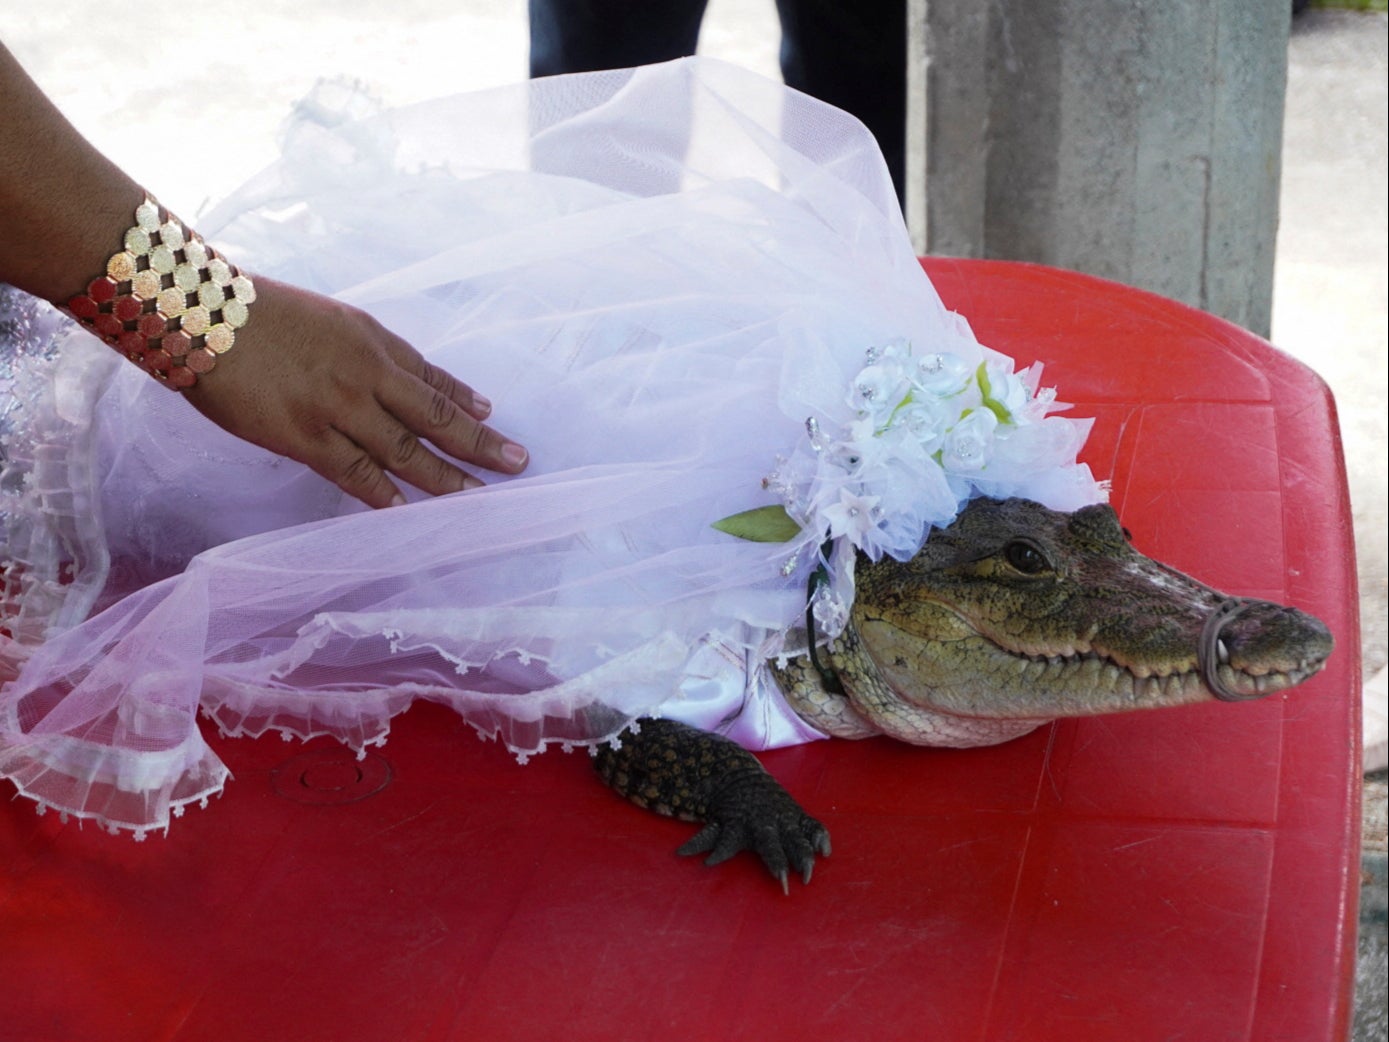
[761, 816]
[674, 769]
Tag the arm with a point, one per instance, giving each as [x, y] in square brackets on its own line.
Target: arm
[309, 378]
[682, 772]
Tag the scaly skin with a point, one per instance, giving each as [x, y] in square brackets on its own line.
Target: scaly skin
[676, 770]
[1011, 616]
[1019, 613]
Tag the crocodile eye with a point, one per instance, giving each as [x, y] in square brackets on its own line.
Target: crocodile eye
[1026, 558]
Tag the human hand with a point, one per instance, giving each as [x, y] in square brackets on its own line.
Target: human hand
[326, 384]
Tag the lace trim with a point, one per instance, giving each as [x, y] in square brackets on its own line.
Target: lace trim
[119, 790]
[137, 832]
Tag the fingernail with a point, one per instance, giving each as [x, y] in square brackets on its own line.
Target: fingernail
[514, 456]
[481, 404]
[397, 500]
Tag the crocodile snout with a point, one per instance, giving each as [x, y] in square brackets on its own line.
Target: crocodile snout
[1253, 648]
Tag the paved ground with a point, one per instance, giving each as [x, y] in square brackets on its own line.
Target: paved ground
[1329, 309]
[240, 76]
[1329, 301]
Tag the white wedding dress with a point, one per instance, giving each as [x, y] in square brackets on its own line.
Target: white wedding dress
[690, 294]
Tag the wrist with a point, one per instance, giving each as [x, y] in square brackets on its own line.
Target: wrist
[166, 300]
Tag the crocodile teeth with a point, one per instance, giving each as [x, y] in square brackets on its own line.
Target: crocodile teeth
[1223, 652]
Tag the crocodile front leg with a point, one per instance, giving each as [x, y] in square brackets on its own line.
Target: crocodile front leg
[823, 710]
[682, 772]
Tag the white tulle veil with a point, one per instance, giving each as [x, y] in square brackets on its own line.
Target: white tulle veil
[689, 293]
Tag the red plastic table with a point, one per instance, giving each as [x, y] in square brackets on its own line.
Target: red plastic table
[1180, 874]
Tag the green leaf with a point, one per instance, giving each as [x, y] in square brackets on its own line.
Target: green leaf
[981, 377]
[761, 525]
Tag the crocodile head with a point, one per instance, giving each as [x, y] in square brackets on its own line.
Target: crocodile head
[1015, 614]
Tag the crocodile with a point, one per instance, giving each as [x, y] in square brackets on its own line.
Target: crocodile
[1010, 617]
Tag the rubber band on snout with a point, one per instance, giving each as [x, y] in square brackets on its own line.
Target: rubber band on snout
[1208, 648]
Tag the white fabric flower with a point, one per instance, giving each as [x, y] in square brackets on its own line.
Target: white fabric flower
[924, 433]
[877, 389]
[1007, 395]
[851, 516]
[969, 445]
[942, 375]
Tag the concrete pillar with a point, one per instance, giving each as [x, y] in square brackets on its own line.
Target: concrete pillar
[1138, 140]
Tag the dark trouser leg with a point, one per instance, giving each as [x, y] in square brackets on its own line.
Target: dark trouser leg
[588, 35]
[852, 54]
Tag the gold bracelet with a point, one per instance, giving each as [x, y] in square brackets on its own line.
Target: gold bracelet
[167, 302]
